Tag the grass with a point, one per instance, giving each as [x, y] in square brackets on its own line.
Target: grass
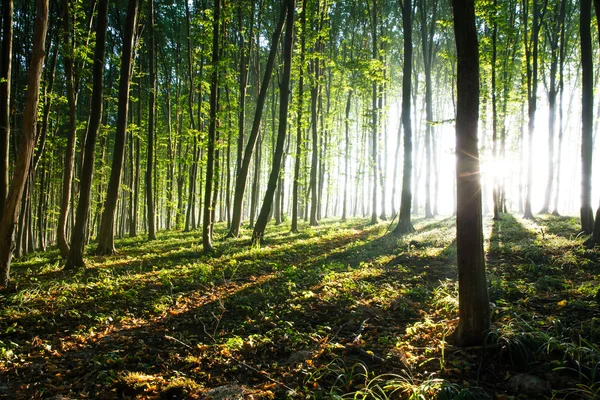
[343, 310]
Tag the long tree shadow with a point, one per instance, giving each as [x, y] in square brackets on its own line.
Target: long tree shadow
[257, 307]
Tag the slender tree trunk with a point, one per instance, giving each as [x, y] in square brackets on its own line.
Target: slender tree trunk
[151, 115]
[284, 92]
[106, 243]
[212, 128]
[78, 233]
[347, 154]
[5, 82]
[240, 182]
[69, 159]
[299, 141]
[474, 309]
[314, 94]
[404, 222]
[26, 143]
[374, 116]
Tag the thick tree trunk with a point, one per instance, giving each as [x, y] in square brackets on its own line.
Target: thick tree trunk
[284, 92]
[404, 223]
[106, 243]
[474, 308]
[587, 115]
[78, 233]
[26, 143]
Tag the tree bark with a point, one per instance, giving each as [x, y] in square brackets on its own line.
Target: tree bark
[404, 223]
[284, 93]
[241, 178]
[212, 128]
[106, 240]
[151, 114]
[69, 159]
[299, 141]
[5, 82]
[474, 309]
[78, 233]
[26, 143]
[587, 115]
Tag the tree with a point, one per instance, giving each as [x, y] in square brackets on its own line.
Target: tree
[284, 98]
[404, 223]
[587, 115]
[242, 175]
[151, 115]
[26, 143]
[427, 36]
[106, 238]
[78, 233]
[69, 159]
[474, 309]
[212, 129]
[5, 80]
[531, 58]
[374, 116]
[300, 97]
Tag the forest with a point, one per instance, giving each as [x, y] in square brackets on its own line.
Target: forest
[318, 199]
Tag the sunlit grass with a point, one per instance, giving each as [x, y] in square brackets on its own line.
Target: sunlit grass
[339, 298]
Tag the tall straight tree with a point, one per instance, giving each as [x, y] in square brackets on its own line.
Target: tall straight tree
[554, 28]
[242, 175]
[78, 233]
[404, 223]
[26, 142]
[532, 40]
[296, 182]
[587, 115]
[284, 98]
[427, 36]
[374, 116]
[212, 130]
[151, 114]
[5, 80]
[474, 308]
[594, 240]
[106, 237]
[69, 157]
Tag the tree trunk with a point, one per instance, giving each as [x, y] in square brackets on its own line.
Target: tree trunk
[587, 115]
[404, 222]
[240, 181]
[212, 128]
[284, 93]
[69, 159]
[474, 308]
[151, 115]
[347, 154]
[5, 82]
[78, 233]
[26, 143]
[106, 243]
[299, 144]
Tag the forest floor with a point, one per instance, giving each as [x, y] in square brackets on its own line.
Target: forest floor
[344, 310]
